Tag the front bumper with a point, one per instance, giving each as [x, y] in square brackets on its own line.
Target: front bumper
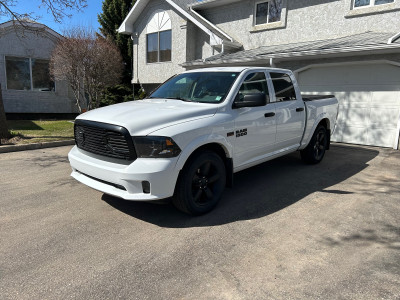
[124, 179]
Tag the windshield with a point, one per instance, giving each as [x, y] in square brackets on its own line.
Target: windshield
[204, 87]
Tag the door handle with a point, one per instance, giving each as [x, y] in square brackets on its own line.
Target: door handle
[300, 109]
[270, 114]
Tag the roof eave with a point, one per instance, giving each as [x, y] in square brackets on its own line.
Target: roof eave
[381, 49]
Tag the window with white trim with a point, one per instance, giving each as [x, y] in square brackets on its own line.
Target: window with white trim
[158, 38]
[368, 3]
[267, 12]
[28, 74]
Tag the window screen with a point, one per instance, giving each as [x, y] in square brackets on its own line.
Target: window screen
[283, 85]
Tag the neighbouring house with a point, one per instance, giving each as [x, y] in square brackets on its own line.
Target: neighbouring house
[350, 48]
[27, 87]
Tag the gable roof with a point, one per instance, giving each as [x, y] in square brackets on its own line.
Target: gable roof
[367, 41]
[217, 36]
[29, 25]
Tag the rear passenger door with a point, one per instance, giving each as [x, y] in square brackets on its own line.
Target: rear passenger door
[290, 113]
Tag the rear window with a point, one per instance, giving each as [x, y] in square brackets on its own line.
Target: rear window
[283, 85]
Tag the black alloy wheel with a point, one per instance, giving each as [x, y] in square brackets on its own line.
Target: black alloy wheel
[315, 150]
[201, 184]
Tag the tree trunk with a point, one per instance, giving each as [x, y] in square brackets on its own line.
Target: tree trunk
[3, 124]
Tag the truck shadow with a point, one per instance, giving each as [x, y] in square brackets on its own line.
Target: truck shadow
[261, 190]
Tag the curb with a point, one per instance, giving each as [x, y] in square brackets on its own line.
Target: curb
[14, 148]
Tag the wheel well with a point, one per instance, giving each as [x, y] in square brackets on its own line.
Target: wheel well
[218, 149]
[325, 122]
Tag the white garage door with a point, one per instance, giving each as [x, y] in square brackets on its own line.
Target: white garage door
[369, 100]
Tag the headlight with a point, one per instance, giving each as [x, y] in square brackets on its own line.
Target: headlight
[155, 147]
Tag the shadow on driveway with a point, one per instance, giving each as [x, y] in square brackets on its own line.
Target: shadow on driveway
[261, 190]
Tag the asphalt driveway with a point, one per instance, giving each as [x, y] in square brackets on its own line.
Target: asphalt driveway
[285, 231]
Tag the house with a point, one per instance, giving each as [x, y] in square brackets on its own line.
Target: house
[27, 87]
[347, 47]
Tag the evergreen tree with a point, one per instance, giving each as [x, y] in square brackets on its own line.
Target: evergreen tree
[114, 13]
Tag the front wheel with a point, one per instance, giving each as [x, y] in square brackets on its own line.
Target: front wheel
[315, 150]
[200, 184]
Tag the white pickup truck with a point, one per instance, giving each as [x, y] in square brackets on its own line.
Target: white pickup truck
[188, 138]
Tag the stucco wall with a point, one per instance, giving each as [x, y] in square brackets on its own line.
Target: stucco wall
[157, 72]
[31, 45]
[305, 20]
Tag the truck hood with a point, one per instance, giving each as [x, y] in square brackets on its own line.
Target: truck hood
[146, 116]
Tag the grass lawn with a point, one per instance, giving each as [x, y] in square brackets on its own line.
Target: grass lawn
[27, 132]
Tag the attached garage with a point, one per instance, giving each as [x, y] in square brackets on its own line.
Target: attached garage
[369, 99]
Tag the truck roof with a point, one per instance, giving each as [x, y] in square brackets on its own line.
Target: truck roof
[234, 69]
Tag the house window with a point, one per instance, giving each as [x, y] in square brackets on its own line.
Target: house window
[28, 74]
[268, 12]
[366, 3]
[159, 37]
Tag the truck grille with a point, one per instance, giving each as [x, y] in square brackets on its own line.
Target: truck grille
[104, 139]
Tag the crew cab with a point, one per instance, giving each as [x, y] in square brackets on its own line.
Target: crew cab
[188, 138]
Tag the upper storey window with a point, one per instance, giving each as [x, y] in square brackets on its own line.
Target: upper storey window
[159, 38]
[366, 3]
[268, 12]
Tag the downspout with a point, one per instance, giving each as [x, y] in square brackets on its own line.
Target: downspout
[271, 63]
[392, 39]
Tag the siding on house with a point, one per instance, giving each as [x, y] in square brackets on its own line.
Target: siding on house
[36, 45]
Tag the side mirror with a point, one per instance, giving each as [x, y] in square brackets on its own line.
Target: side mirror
[250, 100]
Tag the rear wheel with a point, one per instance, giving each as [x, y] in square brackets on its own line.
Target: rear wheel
[315, 150]
[200, 184]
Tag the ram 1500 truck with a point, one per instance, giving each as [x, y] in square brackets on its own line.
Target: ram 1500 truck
[188, 138]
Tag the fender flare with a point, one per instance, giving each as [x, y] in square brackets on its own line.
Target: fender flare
[201, 141]
[318, 120]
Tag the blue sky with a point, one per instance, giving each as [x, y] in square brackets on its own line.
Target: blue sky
[86, 18]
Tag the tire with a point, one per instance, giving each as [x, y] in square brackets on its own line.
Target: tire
[315, 150]
[200, 184]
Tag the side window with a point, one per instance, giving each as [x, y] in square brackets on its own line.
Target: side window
[254, 83]
[283, 85]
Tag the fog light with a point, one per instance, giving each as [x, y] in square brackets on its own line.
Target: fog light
[146, 187]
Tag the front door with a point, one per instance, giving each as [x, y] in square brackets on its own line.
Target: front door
[255, 127]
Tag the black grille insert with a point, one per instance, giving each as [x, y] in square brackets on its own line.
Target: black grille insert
[104, 139]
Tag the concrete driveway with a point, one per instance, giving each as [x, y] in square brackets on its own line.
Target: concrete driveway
[285, 231]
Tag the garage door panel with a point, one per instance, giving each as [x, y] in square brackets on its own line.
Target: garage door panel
[354, 135]
[382, 137]
[383, 118]
[369, 100]
[386, 99]
[351, 117]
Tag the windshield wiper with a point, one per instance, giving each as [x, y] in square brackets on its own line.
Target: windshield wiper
[178, 98]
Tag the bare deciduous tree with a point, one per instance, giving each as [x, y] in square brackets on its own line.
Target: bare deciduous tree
[89, 63]
[57, 8]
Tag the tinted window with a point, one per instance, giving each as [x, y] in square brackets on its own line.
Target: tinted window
[40, 75]
[165, 45]
[283, 85]
[152, 47]
[18, 73]
[254, 83]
